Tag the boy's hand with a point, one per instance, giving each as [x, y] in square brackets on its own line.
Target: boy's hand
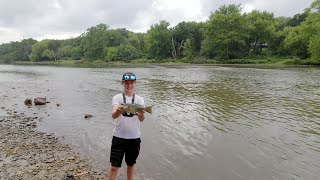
[119, 109]
[139, 113]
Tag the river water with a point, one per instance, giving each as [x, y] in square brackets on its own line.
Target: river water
[208, 122]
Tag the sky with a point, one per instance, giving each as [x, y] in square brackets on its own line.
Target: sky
[62, 19]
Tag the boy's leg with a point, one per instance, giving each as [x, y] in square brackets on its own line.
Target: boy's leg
[130, 172]
[116, 156]
[131, 155]
[113, 173]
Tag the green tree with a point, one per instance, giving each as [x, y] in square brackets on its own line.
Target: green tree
[122, 53]
[188, 50]
[116, 37]
[138, 40]
[16, 51]
[94, 41]
[76, 53]
[262, 29]
[226, 34]
[281, 22]
[48, 55]
[311, 27]
[54, 46]
[296, 42]
[97, 38]
[300, 40]
[314, 48]
[184, 31]
[38, 49]
[5, 50]
[159, 41]
[65, 52]
[296, 20]
[276, 44]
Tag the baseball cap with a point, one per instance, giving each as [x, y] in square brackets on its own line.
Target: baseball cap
[128, 76]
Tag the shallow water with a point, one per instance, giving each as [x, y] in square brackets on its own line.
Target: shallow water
[209, 122]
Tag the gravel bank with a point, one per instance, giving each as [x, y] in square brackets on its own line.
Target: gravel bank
[26, 153]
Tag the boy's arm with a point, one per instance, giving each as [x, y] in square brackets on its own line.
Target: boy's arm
[140, 117]
[116, 111]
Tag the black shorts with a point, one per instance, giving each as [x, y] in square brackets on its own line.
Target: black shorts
[128, 147]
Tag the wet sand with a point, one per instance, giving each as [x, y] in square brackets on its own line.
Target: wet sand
[26, 153]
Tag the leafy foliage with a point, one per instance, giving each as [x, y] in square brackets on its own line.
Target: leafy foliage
[159, 41]
[228, 36]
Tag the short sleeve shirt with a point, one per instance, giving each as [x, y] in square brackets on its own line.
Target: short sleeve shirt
[127, 127]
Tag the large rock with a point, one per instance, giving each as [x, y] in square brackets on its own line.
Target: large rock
[40, 101]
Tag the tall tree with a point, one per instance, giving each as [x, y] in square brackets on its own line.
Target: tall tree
[38, 49]
[188, 51]
[159, 41]
[262, 29]
[302, 40]
[226, 34]
[138, 40]
[184, 31]
[311, 27]
[94, 41]
[296, 42]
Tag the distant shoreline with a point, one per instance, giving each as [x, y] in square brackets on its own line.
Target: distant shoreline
[273, 61]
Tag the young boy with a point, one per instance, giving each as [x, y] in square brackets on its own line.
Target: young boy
[126, 133]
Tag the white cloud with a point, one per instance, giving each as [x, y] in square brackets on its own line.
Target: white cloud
[65, 18]
[248, 7]
[8, 34]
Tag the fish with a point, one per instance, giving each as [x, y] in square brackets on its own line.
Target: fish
[133, 108]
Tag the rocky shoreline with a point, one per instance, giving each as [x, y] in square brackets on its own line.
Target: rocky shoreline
[26, 153]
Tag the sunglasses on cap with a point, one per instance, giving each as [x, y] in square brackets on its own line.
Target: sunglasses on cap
[129, 77]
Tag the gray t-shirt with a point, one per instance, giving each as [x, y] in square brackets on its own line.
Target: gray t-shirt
[127, 127]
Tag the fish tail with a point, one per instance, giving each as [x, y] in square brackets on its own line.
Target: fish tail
[148, 109]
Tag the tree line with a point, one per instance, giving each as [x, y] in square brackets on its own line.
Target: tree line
[229, 33]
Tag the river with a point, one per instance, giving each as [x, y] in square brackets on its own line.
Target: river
[208, 122]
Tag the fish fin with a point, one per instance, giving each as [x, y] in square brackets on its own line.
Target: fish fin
[148, 109]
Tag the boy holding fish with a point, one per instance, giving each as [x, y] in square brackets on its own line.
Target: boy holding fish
[128, 111]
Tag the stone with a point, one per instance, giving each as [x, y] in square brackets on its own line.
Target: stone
[40, 101]
[88, 115]
[28, 102]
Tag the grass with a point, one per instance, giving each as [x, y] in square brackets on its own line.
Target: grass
[196, 60]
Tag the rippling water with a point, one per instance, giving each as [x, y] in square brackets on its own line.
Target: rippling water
[209, 122]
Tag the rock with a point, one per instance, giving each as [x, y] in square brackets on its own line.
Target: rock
[71, 158]
[50, 161]
[87, 116]
[30, 123]
[28, 102]
[69, 176]
[58, 104]
[40, 101]
[81, 165]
